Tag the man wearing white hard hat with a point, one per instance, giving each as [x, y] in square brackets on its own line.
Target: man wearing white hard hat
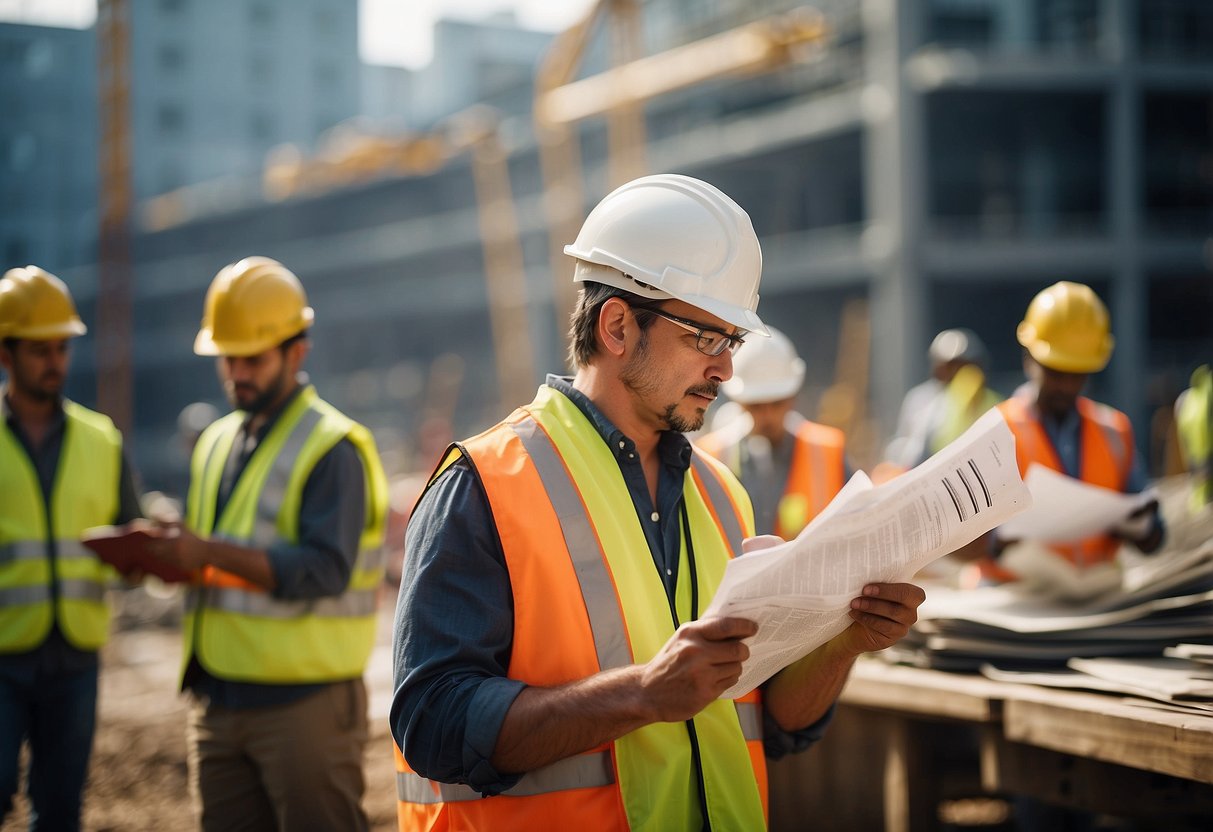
[551, 667]
[790, 467]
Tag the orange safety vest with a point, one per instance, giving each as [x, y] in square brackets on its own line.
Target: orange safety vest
[817, 472]
[1106, 457]
[554, 490]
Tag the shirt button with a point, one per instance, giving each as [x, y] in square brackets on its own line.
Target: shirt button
[631, 456]
[655, 517]
[622, 444]
[669, 571]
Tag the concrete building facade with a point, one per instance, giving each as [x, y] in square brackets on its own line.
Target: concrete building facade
[937, 165]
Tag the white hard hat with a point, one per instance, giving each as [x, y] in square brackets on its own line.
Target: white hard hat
[957, 344]
[672, 236]
[765, 370]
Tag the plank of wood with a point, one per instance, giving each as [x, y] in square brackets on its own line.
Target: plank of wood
[874, 684]
[1102, 728]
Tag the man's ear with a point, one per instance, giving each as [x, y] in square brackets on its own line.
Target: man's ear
[298, 351]
[613, 325]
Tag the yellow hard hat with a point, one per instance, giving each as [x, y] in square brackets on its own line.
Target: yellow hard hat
[252, 305]
[1066, 329]
[36, 305]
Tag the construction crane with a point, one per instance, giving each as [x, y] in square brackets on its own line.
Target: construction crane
[621, 92]
[353, 156]
[115, 376]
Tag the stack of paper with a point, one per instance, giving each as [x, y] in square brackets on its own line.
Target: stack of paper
[1163, 601]
[1177, 682]
[1199, 653]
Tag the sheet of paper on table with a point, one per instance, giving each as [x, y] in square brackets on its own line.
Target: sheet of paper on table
[799, 592]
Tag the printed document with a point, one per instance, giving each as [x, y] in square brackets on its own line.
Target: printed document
[799, 592]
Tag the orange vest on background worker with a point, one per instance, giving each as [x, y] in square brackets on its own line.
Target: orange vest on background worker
[817, 472]
[767, 375]
[585, 602]
[1106, 456]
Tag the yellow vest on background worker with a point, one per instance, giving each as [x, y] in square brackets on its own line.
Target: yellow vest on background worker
[85, 495]
[240, 632]
[585, 602]
[965, 399]
[1194, 420]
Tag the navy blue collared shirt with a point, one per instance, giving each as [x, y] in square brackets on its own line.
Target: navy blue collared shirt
[454, 617]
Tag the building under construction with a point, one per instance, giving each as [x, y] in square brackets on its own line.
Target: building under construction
[908, 166]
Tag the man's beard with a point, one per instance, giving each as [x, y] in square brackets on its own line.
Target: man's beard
[42, 391]
[636, 377]
[263, 399]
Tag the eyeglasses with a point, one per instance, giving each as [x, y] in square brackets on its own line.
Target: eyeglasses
[708, 341]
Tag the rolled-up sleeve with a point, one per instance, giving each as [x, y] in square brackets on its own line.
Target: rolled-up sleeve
[332, 513]
[453, 634]
[777, 743]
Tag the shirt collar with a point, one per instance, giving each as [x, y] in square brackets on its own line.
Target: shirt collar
[673, 448]
[273, 417]
[6, 412]
[1028, 391]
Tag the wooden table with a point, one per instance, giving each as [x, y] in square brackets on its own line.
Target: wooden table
[905, 739]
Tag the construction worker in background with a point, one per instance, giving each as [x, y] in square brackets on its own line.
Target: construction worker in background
[790, 467]
[944, 406]
[1066, 337]
[284, 528]
[1194, 421]
[62, 470]
[551, 669]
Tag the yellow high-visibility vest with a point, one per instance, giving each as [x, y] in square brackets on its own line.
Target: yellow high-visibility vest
[70, 588]
[1193, 415]
[237, 630]
[588, 598]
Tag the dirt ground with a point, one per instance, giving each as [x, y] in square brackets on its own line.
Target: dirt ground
[137, 779]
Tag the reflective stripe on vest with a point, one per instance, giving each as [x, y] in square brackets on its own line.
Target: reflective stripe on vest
[43, 585]
[549, 477]
[589, 562]
[22, 550]
[237, 630]
[18, 595]
[718, 500]
[577, 772]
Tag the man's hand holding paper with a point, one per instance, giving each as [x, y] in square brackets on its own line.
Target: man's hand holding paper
[806, 591]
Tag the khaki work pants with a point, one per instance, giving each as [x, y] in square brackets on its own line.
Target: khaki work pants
[287, 768]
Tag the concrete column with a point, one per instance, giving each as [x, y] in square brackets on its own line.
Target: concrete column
[1129, 295]
[1014, 26]
[895, 194]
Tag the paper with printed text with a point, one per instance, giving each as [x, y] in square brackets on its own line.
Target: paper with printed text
[799, 592]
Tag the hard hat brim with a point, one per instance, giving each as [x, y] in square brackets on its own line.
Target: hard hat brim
[607, 275]
[771, 391]
[206, 344]
[48, 332]
[1060, 361]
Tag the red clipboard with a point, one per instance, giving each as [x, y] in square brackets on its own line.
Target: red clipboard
[126, 548]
